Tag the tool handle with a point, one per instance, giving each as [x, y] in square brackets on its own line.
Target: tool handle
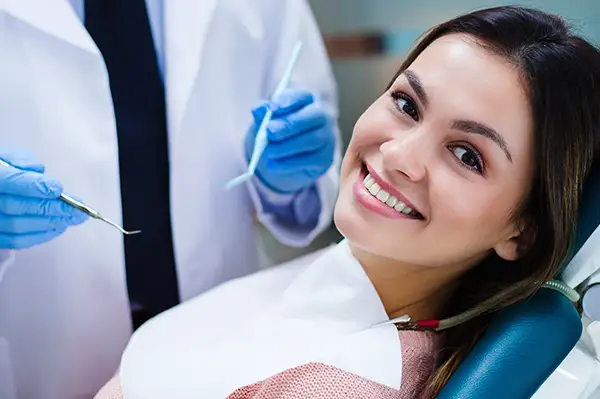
[287, 76]
[76, 204]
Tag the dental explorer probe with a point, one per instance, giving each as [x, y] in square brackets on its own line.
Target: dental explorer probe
[84, 208]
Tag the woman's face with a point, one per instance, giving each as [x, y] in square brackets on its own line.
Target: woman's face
[437, 165]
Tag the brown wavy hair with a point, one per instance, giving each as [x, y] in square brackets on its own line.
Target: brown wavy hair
[560, 73]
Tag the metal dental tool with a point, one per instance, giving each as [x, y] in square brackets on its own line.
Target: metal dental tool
[86, 209]
[94, 214]
[260, 142]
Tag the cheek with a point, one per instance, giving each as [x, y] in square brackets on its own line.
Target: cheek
[480, 214]
[360, 143]
[375, 126]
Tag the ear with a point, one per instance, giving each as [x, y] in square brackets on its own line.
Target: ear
[518, 241]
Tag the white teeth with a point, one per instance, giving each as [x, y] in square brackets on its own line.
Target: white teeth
[374, 189]
[384, 196]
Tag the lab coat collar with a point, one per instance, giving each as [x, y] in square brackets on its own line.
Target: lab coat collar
[54, 17]
[186, 25]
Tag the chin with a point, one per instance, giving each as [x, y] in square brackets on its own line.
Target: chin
[362, 234]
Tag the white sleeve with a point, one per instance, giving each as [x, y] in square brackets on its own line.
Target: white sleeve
[286, 22]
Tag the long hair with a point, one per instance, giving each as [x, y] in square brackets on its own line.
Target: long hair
[560, 73]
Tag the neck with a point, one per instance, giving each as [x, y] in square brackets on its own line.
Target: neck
[420, 292]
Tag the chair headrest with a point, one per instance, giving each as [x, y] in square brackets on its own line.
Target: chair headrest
[522, 347]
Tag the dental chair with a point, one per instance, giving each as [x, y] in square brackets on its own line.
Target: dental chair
[527, 342]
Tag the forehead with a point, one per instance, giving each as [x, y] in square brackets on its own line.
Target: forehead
[465, 81]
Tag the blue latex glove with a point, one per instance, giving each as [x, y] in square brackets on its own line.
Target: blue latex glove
[301, 142]
[30, 213]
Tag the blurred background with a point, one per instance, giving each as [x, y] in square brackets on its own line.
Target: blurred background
[367, 39]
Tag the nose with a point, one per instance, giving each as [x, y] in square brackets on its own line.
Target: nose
[407, 155]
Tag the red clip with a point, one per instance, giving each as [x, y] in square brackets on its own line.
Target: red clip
[428, 324]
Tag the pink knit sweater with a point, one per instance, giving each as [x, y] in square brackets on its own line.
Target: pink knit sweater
[319, 381]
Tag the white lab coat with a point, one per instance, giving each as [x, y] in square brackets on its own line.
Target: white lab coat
[245, 331]
[64, 314]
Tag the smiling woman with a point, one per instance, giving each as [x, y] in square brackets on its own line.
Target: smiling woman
[482, 131]
[453, 144]
[459, 191]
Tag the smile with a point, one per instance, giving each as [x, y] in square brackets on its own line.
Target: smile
[376, 195]
[386, 198]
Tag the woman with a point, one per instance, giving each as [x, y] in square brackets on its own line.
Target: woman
[459, 191]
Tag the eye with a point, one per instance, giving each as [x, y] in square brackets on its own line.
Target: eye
[468, 158]
[405, 104]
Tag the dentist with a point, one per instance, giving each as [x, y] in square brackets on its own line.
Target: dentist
[142, 110]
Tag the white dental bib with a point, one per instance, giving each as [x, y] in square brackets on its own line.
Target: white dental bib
[252, 328]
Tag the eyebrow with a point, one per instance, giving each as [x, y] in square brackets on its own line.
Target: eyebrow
[417, 86]
[463, 125]
[483, 130]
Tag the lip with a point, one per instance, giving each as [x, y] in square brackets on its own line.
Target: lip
[391, 189]
[369, 202]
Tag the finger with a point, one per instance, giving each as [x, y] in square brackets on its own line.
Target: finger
[315, 163]
[78, 218]
[303, 143]
[21, 159]
[34, 224]
[28, 184]
[19, 206]
[24, 241]
[288, 102]
[77, 215]
[306, 119]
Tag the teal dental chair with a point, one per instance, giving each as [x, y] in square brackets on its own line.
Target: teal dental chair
[526, 342]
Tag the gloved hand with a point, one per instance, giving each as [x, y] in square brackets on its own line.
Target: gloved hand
[301, 142]
[30, 213]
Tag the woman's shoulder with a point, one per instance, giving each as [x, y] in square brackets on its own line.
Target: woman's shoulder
[420, 355]
[322, 381]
